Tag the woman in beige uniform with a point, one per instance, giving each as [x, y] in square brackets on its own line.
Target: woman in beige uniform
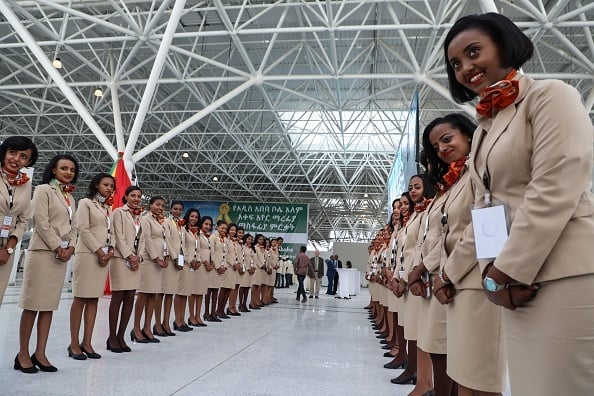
[156, 256]
[200, 279]
[223, 260]
[532, 151]
[250, 269]
[164, 300]
[51, 246]
[211, 278]
[235, 235]
[16, 152]
[258, 276]
[419, 368]
[123, 267]
[188, 274]
[94, 249]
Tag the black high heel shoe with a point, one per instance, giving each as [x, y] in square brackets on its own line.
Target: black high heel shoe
[232, 313]
[90, 355]
[47, 369]
[26, 370]
[153, 340]
[405, 380]
[396, 365]
[76, 356]
[114, 350]
[183, 328]
[133, 338]
[163, 334]
[254, 307]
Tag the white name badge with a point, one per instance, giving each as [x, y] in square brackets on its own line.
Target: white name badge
[401, 274]
[105, 249]
[6, 224]
[180, 260]
[490, 231]
[64, 244]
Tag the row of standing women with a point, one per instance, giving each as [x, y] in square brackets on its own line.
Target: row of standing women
[166, 261]
[461, 325]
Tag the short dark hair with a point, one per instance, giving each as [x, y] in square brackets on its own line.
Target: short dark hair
[515, 48]
[20, 143]
[129, 189]
[176, 202]
[232, 225]
[48, 175]
[219, 222]
[428, 187]
[93, 185]
[156, 198]
[187, 217]
[303, 249]
[437, 167]
[203, 219]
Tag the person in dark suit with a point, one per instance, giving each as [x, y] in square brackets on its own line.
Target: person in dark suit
[337, 264]
[331, 273]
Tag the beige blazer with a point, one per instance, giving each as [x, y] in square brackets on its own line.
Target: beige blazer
[91, 219]
[21, 209]
[461, 265]
[219, 251]
[174, 241]
[124, 233]
[154, 235]
[191, 246]
[51, 219]
[431, 244]
[411, 238]
[539, 154]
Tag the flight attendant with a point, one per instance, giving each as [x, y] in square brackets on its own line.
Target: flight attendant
[235, 241]
[163, 301]
[16, 153]
[223, 259]
[155, 255]
[123, 267]
[250, 269]
[212, 281]
[94, 250]
[260, 269]
[197, 255]
[187, 276]
[533, 152]
[50, 248]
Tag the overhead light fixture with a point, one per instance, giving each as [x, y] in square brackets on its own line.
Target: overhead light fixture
[98, 93]
[365, 195]
[214, 178]
[185, 155]
[57, 63]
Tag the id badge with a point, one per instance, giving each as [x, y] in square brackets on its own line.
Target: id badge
[180, 260]
[425, 280]
[63, 245]
[105, 249]
[490, 231]
[401, 274]
[6, 224]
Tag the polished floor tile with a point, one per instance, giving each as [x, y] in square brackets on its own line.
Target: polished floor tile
[323, 346]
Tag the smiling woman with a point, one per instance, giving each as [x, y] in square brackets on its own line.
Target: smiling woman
[51, 246]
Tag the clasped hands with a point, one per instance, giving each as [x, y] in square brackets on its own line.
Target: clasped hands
[415, 283]
[514, 295]
[64, 254]
[104, 257]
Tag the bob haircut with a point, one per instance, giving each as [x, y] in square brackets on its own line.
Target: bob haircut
[515, 48]
[428, 187]
[48, 175]
[437, 167]
[93, 185]
[128, 191]
[156, 198]
[19, 143]
[187, 217]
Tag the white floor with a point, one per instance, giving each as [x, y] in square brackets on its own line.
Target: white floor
[324, 346]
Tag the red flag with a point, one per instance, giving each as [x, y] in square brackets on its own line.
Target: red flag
[122, 182]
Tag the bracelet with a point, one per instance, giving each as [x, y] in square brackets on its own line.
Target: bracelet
[442, 279]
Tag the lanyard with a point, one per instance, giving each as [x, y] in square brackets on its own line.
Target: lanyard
[195, 246]
[10, 197]
[138, 229]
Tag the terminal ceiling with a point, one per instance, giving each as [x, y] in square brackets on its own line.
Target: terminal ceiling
[279, 101]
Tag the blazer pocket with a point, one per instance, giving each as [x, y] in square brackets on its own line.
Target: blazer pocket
[584, 207]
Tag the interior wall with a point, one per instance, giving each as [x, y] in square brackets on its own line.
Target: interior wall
[356, 253]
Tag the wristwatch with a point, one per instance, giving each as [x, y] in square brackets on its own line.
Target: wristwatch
[9, 250]
[491, 285]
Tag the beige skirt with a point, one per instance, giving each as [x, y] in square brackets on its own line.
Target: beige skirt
[122, 277]
[271, 278]
[200, 283]
[392, 302]
[170, 278]
[402, 308]
[151, 276]
[432, 326]
[550, 341]
[212, 278]
[88, 277]
[373, 291]
[5, 270]
[411, 317]
[227, 279]
[43, 281]
[257, 277]
[185, 281]
[476, 357]
[245, 280]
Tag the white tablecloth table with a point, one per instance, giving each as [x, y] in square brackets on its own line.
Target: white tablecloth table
[349, 283]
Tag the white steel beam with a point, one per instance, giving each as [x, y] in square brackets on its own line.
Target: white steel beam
[55, 75]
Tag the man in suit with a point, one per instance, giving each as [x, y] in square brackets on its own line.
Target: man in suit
[331, 273]
[302, 267]
[315, 278]
[337, 264]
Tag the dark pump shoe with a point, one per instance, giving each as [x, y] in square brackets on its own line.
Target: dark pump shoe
[133, 338]
[405, 380]
[26, 370]
[114, 350]
[47, 369]
[76, 356]
[90, 355]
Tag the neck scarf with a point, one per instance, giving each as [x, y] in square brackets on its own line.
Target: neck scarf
[159, 217]
[421, 206]
[135, 211]
[103, 200]
[451, 176]
[193, 229]
[15, 179]
[499, 95]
